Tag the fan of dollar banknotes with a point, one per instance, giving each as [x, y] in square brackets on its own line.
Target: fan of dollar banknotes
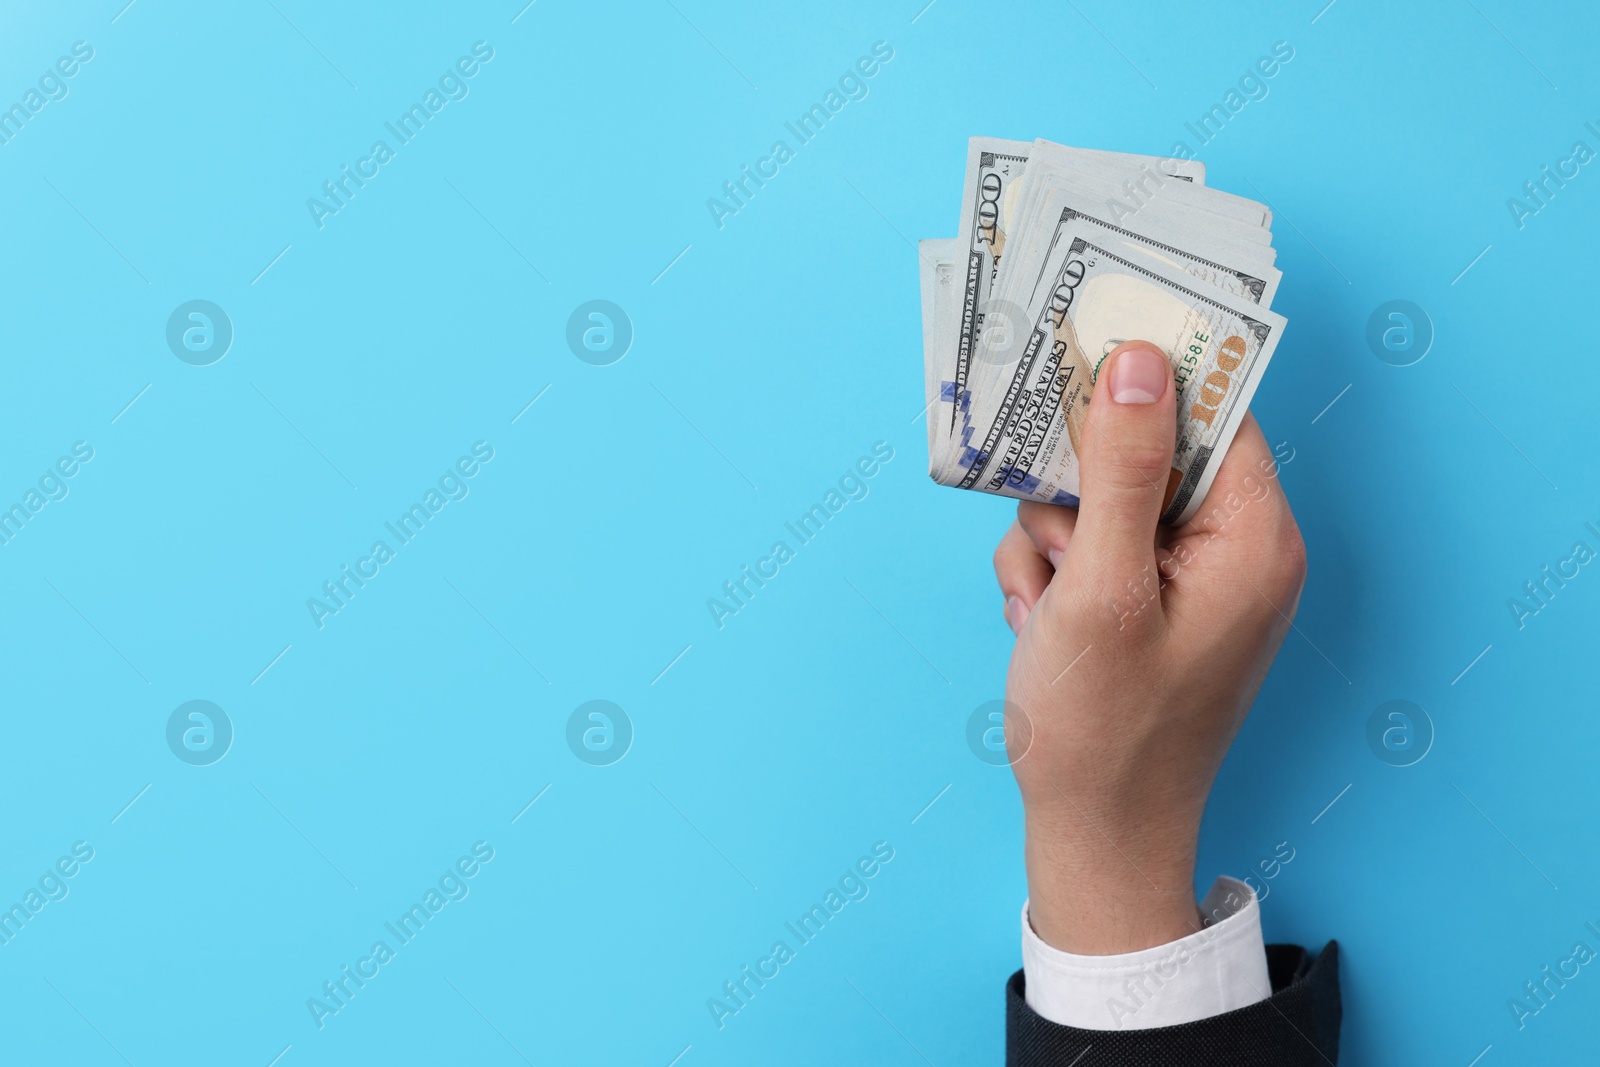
[1063, 254]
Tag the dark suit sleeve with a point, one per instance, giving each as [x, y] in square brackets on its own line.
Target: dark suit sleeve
[1298, 1026]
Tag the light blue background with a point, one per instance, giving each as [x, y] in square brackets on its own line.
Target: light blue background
[831, 711]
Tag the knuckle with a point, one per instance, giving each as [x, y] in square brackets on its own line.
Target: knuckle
[1125, 500]
[1135, 461]
[1294, 554]
[1027, 522]
[1047, 527]
[1128, 450]
[1284, 561]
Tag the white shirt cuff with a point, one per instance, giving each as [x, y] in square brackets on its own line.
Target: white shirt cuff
[1218, 969]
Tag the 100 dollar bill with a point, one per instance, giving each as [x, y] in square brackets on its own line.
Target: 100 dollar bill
[992, 165]
[1087, 296]
[994, 169]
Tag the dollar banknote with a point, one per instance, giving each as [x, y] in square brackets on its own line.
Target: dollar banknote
[1063, 254]
[994, 167]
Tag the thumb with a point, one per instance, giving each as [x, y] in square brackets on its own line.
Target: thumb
[1126, 458]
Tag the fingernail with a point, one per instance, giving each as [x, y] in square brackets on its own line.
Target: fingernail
[1016, 613]
[1055, 555]
[1139, 376]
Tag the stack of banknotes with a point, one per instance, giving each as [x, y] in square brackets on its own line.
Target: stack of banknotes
[1063, 254]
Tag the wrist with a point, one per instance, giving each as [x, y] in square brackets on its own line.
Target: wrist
[1095, 891]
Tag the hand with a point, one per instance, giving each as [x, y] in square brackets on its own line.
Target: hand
[1139, 651]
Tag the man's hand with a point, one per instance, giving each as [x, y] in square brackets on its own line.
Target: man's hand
[1139, 651]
